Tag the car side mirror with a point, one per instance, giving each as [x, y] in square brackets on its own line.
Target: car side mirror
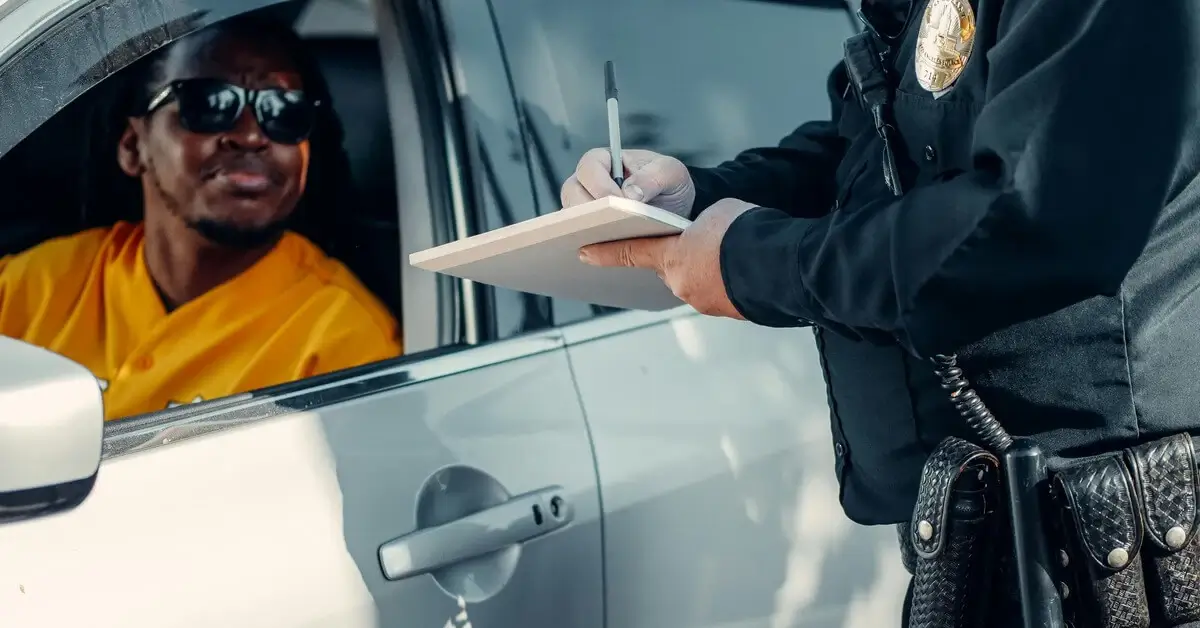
[51, 431]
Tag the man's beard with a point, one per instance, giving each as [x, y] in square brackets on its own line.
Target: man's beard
[235, 236]
[221, 233]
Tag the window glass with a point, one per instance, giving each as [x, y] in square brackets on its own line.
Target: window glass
[700, 80]
[502, 182]
[215, 218]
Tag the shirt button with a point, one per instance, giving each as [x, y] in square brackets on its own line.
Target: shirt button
[143, 363]
[930, 154]
[839, 449]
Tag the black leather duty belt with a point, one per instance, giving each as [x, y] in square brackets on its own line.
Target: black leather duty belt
[1119, 531]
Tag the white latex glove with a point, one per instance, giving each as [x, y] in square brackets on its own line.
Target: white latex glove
[651, 178]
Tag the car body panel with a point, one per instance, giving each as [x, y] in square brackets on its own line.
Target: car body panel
[278, 521]
[720, 503]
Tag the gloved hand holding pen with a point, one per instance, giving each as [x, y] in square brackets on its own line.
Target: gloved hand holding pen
[651, 178]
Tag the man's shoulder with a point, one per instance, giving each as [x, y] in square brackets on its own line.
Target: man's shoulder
[339, 288]
[68, 254]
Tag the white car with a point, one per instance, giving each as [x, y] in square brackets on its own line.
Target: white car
[528, 462]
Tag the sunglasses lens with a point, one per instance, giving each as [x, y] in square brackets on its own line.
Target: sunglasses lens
[286, 116]
[208, 106]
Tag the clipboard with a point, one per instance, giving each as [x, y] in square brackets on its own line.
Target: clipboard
[541, 255]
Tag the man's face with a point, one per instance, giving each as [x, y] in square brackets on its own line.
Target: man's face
[235, 187]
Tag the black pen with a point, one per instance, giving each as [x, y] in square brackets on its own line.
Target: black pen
[614, 123]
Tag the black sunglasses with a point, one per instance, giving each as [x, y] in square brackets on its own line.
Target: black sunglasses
[286, 116]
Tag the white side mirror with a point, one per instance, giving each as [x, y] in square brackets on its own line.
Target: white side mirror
[51, 431]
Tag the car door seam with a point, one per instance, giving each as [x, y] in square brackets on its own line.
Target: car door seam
[587, 426]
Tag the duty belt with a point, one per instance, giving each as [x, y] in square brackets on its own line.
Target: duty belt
[1003, 538]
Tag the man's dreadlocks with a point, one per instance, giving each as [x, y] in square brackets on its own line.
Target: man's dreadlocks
[109, 195]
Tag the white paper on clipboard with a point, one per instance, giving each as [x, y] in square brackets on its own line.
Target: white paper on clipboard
[541, 255]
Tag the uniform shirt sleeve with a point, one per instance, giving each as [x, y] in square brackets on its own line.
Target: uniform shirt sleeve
[1074, 154]
[796, 176]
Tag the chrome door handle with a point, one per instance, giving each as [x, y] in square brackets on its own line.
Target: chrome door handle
[517, 520]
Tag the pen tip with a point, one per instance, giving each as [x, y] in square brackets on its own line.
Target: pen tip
[610, 80]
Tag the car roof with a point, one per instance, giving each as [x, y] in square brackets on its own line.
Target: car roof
[62, 48]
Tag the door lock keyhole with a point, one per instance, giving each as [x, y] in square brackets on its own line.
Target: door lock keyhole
[557, 507]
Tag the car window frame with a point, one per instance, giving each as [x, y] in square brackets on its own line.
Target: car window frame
[536, 311]
[34, 27]
[439, 174]
[420, 98]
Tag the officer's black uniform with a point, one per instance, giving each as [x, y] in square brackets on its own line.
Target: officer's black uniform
[1049, 232]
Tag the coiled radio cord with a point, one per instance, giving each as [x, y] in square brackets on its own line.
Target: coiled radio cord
[969, 405]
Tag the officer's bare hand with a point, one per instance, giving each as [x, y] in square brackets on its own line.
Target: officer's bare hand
[651, 178]
[689, 263]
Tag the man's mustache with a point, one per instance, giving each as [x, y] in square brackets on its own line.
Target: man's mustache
[244, 162]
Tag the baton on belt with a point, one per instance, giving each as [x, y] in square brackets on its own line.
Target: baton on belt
[1026, 474]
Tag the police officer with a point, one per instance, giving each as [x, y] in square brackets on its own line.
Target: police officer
[1014, 181]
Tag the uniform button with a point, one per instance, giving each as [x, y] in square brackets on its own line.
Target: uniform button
[143, 363]
[839, 449]
[930, 154]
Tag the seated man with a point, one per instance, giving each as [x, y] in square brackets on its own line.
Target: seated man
[210, 293]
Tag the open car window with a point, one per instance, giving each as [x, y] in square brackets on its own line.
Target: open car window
[53, 243]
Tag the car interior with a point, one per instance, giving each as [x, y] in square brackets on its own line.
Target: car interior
[44, 174]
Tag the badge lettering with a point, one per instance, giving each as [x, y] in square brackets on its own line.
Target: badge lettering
[944, 44]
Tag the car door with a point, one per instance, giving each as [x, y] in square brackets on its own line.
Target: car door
[453, 486]
[292, 508]
[712, 436]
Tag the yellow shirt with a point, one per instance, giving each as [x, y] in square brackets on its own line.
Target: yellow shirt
[293, 314]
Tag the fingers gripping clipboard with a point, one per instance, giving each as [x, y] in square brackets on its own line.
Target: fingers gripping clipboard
[541, 255]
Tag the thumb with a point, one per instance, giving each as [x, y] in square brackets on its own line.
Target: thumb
[633, 253]
[660, 176]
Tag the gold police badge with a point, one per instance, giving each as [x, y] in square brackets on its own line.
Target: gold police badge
[944, 43]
